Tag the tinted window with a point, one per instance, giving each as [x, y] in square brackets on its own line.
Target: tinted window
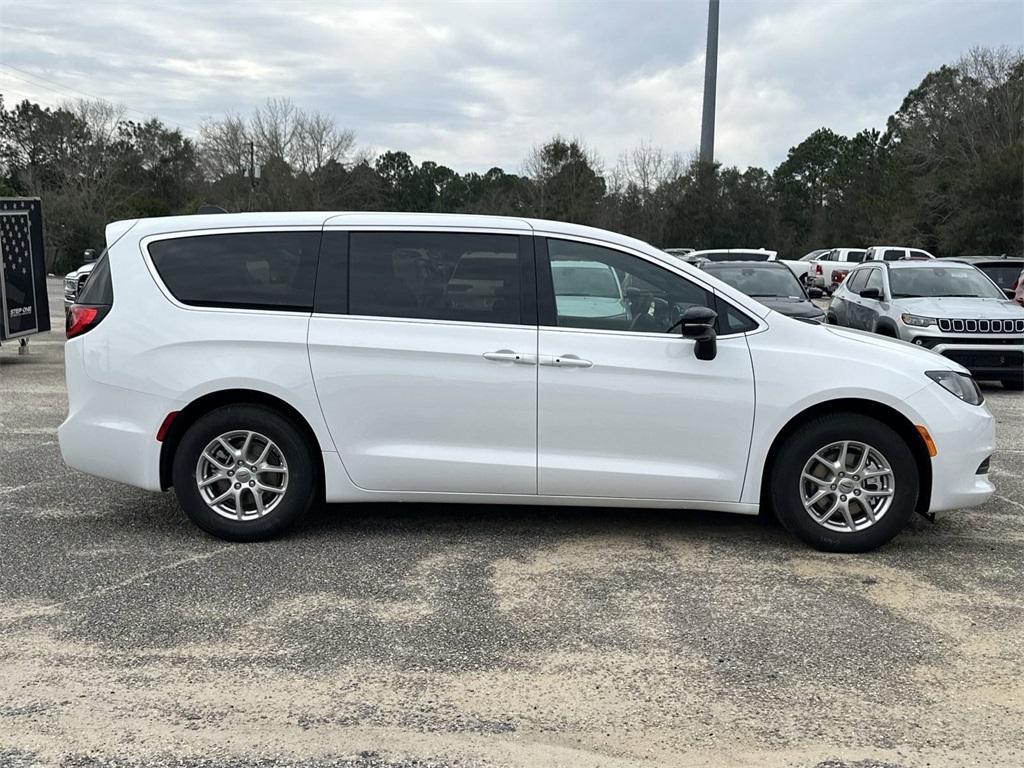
[98, 288]
[855, 282]
[1003, 275]
[894, 254]
[647, 299]
[875, 281]
[919, 255]
[257, 270]
[438, 276]
[759, 281]
[827, 256]
[855, 255]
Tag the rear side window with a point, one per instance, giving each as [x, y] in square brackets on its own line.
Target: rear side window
[436, 276]
[98, 289]
[855, 255]
[247, 270]
[894, 254]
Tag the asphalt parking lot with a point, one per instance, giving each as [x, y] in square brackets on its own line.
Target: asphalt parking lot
[460, 636]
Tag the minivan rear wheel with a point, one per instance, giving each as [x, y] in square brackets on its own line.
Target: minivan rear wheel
[844, 483]
[244, 473]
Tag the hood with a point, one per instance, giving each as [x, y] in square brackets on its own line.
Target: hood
[792, 307]
[961, 308]
[926, 358]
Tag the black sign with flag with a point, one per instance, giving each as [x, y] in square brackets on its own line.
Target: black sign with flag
[22, 269]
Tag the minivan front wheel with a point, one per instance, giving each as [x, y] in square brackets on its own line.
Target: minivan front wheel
[844, 483]
[244, 473]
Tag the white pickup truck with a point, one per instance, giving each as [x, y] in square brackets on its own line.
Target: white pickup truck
[831, 267]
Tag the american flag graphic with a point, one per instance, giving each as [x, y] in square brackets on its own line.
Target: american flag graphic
[17, 268]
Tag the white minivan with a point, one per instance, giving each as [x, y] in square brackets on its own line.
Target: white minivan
[261, 363]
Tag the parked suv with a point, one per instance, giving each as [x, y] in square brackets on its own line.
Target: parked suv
[260, 362]
[945, 306]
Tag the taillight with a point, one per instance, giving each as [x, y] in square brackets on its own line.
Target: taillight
[817, 269]
[82, 318]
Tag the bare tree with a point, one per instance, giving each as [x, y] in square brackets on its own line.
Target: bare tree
[274, 129]
[224, 147]
[318, 141]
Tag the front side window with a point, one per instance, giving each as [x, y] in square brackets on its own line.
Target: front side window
[894, 254]
[855, 282]
[604, 289]
[875, 281]
[439, 276]
[249, 270]
[855, 255]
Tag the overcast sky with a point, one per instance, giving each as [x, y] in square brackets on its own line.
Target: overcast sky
[473, 85]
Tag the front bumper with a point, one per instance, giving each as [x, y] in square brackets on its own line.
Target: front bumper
[995, 356]
[964, 438]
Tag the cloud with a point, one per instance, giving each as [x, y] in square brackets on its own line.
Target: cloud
[473, 85]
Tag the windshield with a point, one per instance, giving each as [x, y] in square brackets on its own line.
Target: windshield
[762, 282]
[575, 280]
[916, 282]
[726, 256]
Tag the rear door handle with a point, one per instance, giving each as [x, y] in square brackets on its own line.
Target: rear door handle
[566, 361]
[510, 356]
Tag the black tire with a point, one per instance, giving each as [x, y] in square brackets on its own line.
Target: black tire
[788, 466]
[1014, 385]
[301, 478]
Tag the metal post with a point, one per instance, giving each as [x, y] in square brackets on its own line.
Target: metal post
[707, 125]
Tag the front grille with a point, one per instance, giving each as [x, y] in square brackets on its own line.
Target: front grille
[1007, 325]
[81, 282]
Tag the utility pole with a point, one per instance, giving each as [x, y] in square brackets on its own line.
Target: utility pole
[707, 124]
[254, 176]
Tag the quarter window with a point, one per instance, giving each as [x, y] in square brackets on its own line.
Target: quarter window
[252, 270]
[438, 276]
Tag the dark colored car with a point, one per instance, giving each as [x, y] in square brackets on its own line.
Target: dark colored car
[1003, 270]
[771, 283]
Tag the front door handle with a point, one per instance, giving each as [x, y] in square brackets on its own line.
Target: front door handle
[567, 361]
[510, 356]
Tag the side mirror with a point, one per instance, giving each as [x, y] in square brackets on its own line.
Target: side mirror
[815, 293]
[88, 255]
[871, 293]
[698, 323]
[1010, 294]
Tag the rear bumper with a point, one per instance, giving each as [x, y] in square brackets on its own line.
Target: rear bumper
[110, 432]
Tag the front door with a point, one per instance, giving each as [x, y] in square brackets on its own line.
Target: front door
[625, 408]
[425, 362]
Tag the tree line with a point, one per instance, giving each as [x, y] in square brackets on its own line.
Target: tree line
[946, 174]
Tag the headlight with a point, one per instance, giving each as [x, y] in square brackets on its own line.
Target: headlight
[960, 384]
[917, 320]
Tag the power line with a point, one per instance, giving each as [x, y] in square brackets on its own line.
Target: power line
[63, 90]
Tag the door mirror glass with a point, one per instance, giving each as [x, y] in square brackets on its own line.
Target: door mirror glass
[698, 323]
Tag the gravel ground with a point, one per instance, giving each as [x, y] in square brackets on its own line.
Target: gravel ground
[434, 636]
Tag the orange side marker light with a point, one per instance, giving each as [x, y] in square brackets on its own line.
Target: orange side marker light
[929, 443]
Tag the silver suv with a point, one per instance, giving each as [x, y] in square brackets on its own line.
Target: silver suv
[950, 308]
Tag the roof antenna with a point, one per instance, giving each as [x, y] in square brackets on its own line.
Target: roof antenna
[209, 208]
